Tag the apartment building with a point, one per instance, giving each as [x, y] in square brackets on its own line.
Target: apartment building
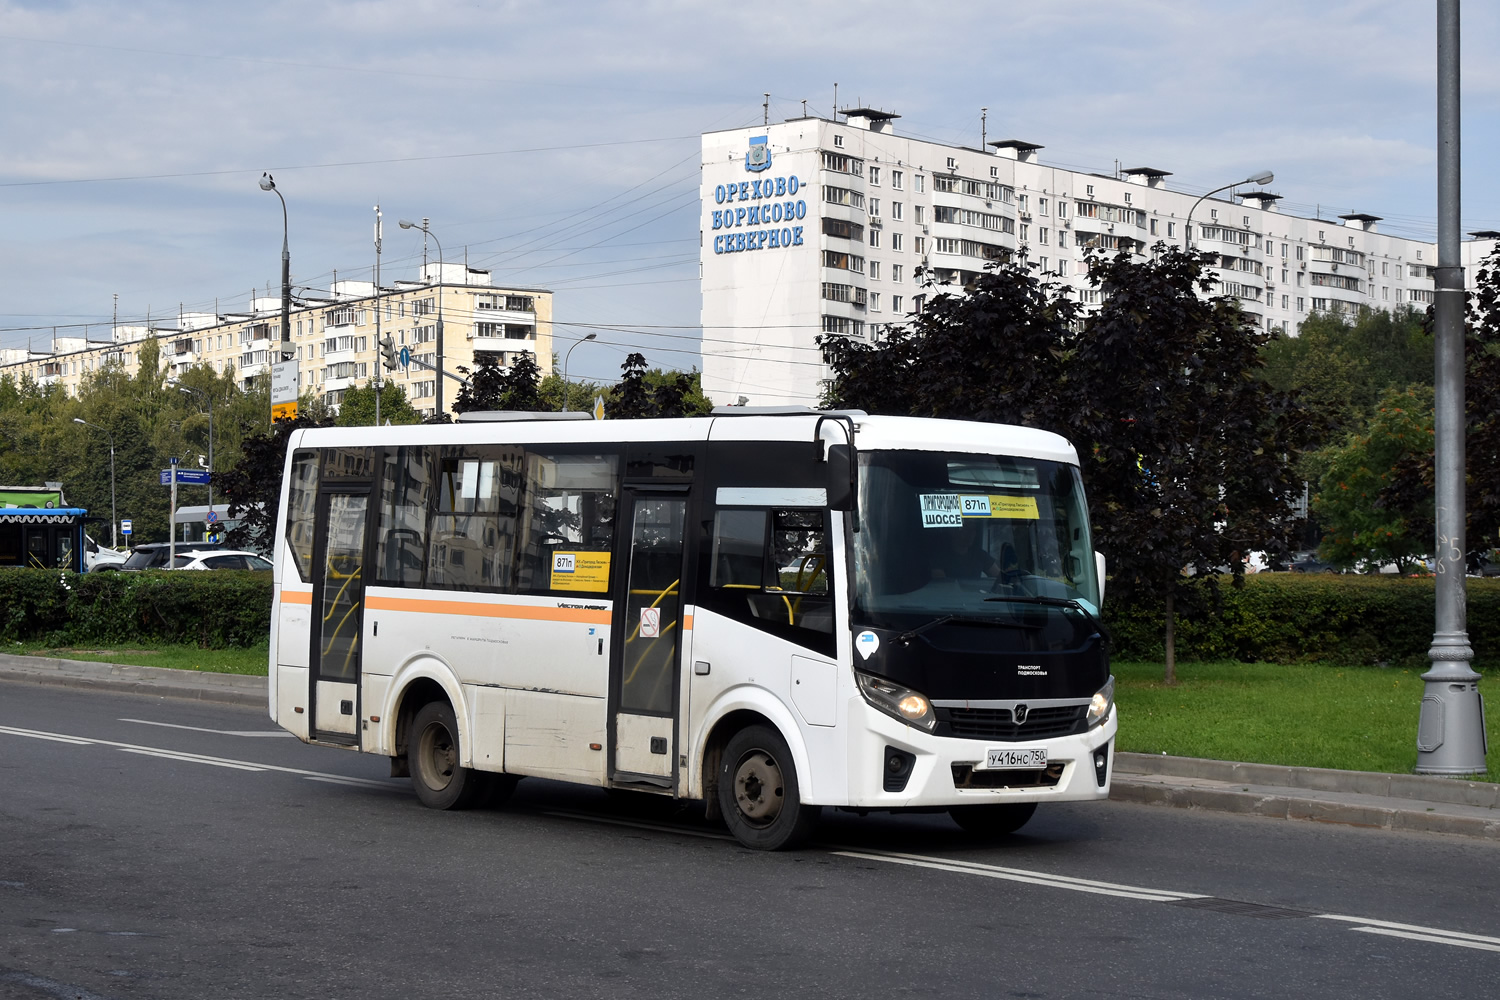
[334, 335]
[812, 226]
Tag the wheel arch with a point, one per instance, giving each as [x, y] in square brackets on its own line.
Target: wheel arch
[414, 685]
[733, 711]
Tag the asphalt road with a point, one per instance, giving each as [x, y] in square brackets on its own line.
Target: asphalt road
[159, 848]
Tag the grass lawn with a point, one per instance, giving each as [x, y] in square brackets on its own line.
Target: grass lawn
[1349, 718]
[219, 661]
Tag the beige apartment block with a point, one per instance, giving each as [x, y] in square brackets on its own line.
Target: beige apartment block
[335, 336]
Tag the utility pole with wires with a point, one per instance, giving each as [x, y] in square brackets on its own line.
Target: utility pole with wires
[378, 341]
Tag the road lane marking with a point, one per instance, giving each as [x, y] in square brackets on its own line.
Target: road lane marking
[1452, 937]
[1021, 875]
[1414, 932]
[32, 734]
[192, 759]
[685, 831]
[1429, 938]
[188, 757]
[217, 732]
[358, 782]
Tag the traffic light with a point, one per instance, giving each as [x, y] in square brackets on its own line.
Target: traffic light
[388, 350]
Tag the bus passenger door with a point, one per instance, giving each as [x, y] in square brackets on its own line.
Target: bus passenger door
[338, 601]
[646, 640]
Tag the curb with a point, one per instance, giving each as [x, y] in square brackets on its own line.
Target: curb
[161, 682]
[1400, 802]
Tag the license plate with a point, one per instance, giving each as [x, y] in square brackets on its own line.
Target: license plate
[1004, 759]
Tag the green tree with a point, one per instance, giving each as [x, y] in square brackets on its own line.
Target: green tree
[1361, 525]
[357, 408]
[491, 387]
[1186, 450]
[1342, 367]
[253, 485]
[643, 392]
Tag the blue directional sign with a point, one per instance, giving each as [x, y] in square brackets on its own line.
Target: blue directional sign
[405, 357]
[186, 477]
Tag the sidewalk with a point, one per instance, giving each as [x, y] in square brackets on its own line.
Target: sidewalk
[1404, 802]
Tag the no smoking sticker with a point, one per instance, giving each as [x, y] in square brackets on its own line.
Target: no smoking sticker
[650, 623]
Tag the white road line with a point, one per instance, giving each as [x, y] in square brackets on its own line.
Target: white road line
[1064, 881]
[1016, 875]
[190, 759]
[1429, 938]
[357, 782]
[31, 734]
[244, 765]
[659, 827]
[216, 732]
[1455, 936]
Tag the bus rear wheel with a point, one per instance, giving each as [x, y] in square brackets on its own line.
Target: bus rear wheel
[995, 819]
[432, 754]
[758, 792]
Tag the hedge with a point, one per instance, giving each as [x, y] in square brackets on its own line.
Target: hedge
[216, 610]
[1343, 620]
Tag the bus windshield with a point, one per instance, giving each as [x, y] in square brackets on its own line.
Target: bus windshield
[971, 536]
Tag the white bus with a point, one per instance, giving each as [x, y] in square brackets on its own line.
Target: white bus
[770, 612]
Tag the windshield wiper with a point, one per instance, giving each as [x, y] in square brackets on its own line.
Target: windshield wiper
[908, 636]
[1054, 602]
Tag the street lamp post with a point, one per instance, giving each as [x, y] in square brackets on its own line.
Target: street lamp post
[114, 522]
[1264, 177]
[566, 356]
[422, 228]
[210, 397]
[267, 183]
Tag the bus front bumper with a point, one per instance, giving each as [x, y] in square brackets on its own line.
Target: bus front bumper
[893, 765]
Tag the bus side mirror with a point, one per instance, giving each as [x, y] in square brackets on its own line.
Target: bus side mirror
[840, 478]
[1099, 571]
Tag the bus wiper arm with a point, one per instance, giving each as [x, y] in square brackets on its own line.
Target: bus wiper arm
[1054, 602]
[908, 636]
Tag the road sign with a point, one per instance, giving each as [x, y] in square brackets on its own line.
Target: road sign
[211, 516]
[187, 477]
[125, 526]
[284, 379]
[214, 536]
[405, 357]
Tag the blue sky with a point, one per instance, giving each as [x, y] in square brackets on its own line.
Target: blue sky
[556, 143]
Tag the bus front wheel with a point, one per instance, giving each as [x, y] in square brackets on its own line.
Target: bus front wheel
[758, 792]
[995, 819]
[432, 754]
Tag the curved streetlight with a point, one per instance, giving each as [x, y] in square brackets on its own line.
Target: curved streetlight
[567, 355]
[1264, 177]
[422, 228]
[210, 398]
[268, 183]
[114, 522]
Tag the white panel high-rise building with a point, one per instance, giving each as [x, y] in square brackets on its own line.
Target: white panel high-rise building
[812, 226]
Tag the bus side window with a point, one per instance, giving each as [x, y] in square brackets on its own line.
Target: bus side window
[405, 492]
[301, 511]
[771, 568]
[472, 543]
[568, 507]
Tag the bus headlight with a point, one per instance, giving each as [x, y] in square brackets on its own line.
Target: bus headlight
[1101, 703]
[894, 700]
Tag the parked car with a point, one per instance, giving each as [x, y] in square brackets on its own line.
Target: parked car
[220, 559]
[97, 558]
[154, 555]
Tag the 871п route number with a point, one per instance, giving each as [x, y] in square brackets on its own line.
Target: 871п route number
[998, 758]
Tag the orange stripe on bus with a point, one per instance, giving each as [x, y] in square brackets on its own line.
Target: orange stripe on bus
[524, 612]
[296, 597]
[687, 621]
